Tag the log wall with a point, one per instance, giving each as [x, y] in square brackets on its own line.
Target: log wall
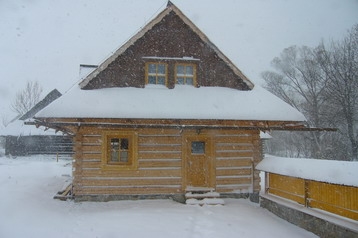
[160, 165]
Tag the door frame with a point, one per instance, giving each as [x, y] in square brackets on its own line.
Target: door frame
[209, 154]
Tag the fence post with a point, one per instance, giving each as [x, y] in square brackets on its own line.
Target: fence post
[306, 193]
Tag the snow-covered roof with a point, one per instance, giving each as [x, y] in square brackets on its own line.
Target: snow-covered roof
[182, 102]
[330, 171]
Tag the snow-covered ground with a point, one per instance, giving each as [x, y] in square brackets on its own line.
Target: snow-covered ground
[28, 210]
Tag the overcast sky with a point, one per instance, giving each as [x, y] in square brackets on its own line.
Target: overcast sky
[47, 40]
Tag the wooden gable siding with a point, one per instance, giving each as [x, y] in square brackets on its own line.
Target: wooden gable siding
[161, 165]
[170, 38]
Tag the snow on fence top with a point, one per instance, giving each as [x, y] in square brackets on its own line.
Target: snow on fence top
[330, 171]
[182, 102]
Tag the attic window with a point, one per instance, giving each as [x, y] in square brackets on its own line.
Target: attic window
[185, 74]
[156, 73]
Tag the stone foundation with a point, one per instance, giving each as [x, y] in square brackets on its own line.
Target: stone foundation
[308, 221]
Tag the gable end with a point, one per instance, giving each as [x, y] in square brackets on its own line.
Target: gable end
[126, 67]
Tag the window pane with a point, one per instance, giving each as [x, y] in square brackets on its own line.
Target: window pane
[124, 156]
[124, 144]
[115, 144]
[198, 147]
[189, 81]
[189, 70]
[114, 149]
[180, 80]
[161, 69]
[180, 70]
[161, 80]
[152, 68]
[152, 80]
[114, 156]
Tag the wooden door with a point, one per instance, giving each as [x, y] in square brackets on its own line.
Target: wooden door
[198, 161]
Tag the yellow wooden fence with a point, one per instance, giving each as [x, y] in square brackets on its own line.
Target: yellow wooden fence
[334, 198]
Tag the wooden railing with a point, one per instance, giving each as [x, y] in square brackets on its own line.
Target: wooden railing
[339, 199]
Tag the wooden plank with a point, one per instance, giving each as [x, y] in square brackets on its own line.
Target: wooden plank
[147, 148]
[225, 181]
[160, 155]
[159, 164]
[236, 132]
[162, 140]
[245, 188]
[234, 154]
[233, 162]
[130, 173]
[95, 139]
[128, 191]
[232, 139]
[130, 182]
[91, 148]
[232, 172]
[291, 196]
[158, 131]
[92, 156]
[337, 198]
[222, 147]
[352, 214]
[92, 164]
[287, 184]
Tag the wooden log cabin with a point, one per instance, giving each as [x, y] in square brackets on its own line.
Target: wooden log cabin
[167, 113]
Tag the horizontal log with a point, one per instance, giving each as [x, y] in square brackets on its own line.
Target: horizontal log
[93, 155]
[233, 147]
[159, 140]
[232, 172]
[92, 164]
[232, 162]
[225, 181]
[231, 139]
[160, 155]
[131, 173]
[159, 164]
[92, 148]
[92, 139]
[127, 191]
[147, 148]
[130, 182]
[234, 154]
[157, 131]
[234, 188]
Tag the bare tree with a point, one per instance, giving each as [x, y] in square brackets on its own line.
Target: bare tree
[27, 98]
[340, 64]
[323, 84]
[299, 82]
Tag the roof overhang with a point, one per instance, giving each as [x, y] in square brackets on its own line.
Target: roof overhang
[71, 125]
